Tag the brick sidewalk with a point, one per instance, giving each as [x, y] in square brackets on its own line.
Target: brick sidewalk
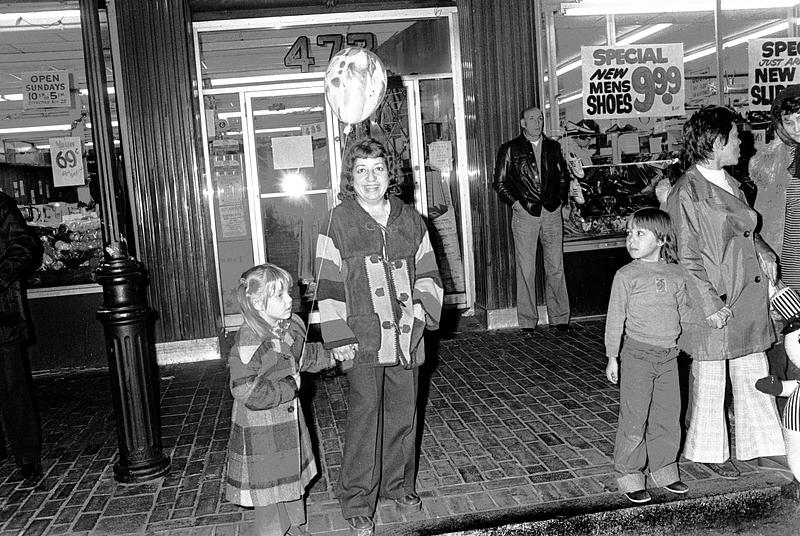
[515, 427]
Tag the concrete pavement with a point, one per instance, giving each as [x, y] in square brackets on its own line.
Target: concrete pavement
[518, 433]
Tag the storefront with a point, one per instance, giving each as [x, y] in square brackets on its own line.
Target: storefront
[273, 146]
[231, 155]
[626, 127]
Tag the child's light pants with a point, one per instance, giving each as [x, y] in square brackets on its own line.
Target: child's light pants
[648, 432]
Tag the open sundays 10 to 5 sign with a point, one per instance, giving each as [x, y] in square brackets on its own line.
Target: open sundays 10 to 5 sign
[773, 65]
[632, 81]
[46, 89]
[66, 155]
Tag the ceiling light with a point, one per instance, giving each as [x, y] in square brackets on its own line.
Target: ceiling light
[638, 35]
[40, 15]
[626, 7]
[571, 98]
[113, 124]
[629, 39]
[763, 32]
[247, 80]
[276, 130]
[307, 109]
[45, 128]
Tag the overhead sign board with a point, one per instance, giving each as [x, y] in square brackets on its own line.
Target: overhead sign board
[633, 81]
[772, 65]
[67, 157]
[45, 89]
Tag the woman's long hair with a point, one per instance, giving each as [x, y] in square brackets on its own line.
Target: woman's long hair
[658, 222]
[255, 287]
[366, 148]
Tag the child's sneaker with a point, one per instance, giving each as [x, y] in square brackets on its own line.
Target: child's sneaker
[639, 496]
[677, 487]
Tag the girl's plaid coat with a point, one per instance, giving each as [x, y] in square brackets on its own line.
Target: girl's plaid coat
[270, 459]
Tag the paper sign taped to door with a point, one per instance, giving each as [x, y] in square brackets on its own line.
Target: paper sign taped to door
[440, 155]
[292, 152]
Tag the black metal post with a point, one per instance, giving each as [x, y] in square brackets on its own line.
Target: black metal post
[124, 313]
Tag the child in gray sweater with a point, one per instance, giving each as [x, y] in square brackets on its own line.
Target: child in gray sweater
[648, 297]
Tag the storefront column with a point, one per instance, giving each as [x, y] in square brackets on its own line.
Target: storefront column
[501, 79]
[124, 313]
[153, 66]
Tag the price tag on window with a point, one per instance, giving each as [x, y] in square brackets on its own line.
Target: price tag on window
[66, 155]
[633, 81]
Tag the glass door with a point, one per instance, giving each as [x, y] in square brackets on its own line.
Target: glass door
[434, 159]
[291, 162]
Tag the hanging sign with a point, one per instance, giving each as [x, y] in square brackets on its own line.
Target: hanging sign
[632, 81]
[45, 89]
[66, 155]
[773, 65]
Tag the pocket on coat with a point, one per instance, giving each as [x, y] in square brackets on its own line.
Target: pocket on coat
[367, 330]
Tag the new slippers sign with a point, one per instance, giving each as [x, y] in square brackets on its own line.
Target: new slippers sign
[773, 65]
[633, 81]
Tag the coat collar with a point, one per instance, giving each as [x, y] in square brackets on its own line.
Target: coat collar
[396, 207]
[706, 189]
[523, 139]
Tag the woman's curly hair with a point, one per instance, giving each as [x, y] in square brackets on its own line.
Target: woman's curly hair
[366, 148]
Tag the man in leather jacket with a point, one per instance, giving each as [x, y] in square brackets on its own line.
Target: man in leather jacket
[20, 253]
[531, 176]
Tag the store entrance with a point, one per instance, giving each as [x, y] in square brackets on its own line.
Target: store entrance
[291, 163]
[274, 147]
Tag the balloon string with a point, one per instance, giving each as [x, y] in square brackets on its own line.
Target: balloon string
[346, 132]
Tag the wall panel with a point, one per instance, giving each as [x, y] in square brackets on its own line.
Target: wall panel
[159, 141]
[498, 53]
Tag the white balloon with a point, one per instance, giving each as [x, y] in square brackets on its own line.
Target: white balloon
[355, 83]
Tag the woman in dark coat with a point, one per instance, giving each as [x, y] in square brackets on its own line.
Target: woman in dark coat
[729, 328]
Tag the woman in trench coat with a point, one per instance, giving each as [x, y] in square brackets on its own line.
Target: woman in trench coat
[729, 328]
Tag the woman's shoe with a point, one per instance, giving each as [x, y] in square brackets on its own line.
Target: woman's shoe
[726, 469]
[677, 487]
[640, 496]
[363, 525]
[409, 502]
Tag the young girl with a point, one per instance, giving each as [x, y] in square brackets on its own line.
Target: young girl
[270, 460]
[648, 297]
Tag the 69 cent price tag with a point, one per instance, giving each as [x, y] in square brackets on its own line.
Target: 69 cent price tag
[633, 81]
[66, 155]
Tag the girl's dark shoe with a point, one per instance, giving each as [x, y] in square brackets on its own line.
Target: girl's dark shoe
[639, 496]
[410, 502]
[31, 472]
[677, 487]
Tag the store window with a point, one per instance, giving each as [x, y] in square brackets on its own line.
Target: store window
[47, 163]
[624, 155]
[271, 134]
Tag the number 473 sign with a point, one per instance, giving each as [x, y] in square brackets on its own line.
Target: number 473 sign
[66, 155]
